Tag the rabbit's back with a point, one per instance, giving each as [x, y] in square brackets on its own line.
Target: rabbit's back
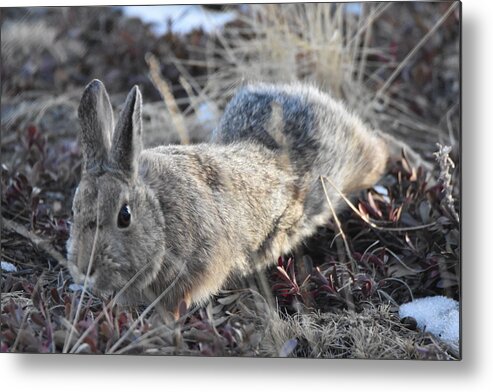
[317, 134]
[278, 117]
[226, 210]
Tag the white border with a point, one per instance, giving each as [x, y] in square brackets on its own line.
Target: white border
[473, 373]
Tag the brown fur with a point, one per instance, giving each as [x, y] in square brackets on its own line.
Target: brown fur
[203, 213]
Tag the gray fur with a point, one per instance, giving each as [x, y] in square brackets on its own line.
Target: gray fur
[96, 119]
[127, 140]
[217, 209]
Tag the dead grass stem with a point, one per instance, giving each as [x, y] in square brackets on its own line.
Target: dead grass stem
[169, 100]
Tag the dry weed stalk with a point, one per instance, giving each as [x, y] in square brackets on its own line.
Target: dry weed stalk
[84, 288]
[151, 306]
[338, 222]
[366, 218]
[445, 178]
[372, 333]
[324, 44]
[291, 42]
[417, 47]
[110, 305]
[169, 100]
[41, 243]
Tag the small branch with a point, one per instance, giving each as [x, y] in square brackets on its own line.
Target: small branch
[414, 50]
[367, 220]
[169, 100]
[146, 311]
[445, 178]
[84, 288]
[338, 222]
[36, 240]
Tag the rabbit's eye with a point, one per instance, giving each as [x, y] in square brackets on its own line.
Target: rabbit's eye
[124, 216]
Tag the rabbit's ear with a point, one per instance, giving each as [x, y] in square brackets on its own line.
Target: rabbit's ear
[127, 139]
[96, 120]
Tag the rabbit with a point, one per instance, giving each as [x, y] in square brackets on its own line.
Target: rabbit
[174, 223]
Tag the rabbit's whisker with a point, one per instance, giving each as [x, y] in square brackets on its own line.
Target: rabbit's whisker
[147, 310]
[110, 305]
[86, 279]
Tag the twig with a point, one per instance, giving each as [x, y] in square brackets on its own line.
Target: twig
[366, 43]
[368, 221]
[38, 241]
[401, 262]
[26, 314]
[147, 310]
[338, 222]
[143, 338]
[19, 331]
[163, 87]
[88, 271]
[445, 177]
[403, 283]
[110, 305]
[414, 50]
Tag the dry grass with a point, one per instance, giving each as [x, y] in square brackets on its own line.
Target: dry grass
[323, 44]
[374, 333]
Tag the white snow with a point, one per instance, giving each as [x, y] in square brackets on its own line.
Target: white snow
[205, 112]
[381, 190]
[8, 267]
[184, 18]
[438, 315]
[75, 287]
[354, 8]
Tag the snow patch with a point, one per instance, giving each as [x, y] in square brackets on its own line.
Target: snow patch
[205, 112]
[75, 287]
[184, 18]
[381, 190]
[8, 267]
[438, 315]
[354, 8]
